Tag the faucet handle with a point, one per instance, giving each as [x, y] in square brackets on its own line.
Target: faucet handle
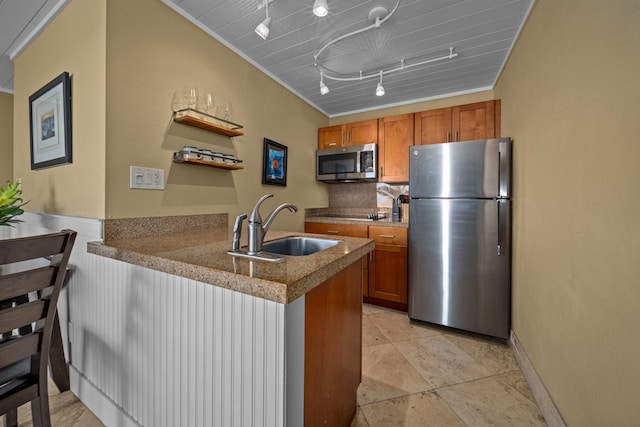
[237, 232]
[255, 214]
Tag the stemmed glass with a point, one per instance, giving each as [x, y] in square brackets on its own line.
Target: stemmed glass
[191, 95]
[205, 102]
[226, 110]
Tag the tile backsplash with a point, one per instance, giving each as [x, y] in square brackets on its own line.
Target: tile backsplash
[364, 194]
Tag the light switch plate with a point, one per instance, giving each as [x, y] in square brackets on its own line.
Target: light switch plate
[146, 178]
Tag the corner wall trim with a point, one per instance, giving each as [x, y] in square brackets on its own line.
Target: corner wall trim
[545, 403]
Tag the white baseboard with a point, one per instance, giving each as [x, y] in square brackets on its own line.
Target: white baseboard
[545, 403]
[102, 407]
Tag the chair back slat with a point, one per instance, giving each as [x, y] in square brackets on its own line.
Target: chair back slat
[23, 315]
[14, 350]
[16, 284]
[24, 248]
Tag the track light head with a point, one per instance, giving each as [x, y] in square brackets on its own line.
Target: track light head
[323, 87]
[320, 8]
[379, 88]
[263, 28]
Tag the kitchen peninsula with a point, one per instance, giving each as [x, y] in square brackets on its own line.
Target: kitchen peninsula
[210, 339]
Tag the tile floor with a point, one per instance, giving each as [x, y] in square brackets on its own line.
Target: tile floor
[416, 374]
[413, 374]
[66, 411]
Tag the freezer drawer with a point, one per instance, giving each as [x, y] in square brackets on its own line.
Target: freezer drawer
[460, 264]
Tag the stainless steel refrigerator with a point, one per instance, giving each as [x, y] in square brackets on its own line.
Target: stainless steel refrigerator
[460, 235]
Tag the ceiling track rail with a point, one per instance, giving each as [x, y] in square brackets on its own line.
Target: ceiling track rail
[379, 15]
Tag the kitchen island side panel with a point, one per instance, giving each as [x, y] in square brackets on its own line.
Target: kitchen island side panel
[172, 351]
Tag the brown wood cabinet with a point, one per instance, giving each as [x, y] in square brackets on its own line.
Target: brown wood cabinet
[333, 349]
[395, 136]
[384, 271]
[349, 231]
[331, 137]
[480, 120]
[364, 132]
[388, 266]
[337, 229]
[357, 133]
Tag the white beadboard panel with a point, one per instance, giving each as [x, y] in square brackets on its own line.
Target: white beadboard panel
[172, 351]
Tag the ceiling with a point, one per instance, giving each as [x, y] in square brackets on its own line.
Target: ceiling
[481, 32]
[20, 22]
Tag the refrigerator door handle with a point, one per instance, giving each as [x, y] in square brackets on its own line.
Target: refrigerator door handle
[504, 169]
[502, 223]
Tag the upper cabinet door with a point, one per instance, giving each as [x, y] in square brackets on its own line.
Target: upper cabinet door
[480, 120]
[331, 137]
[473, 121]
[395, 137]
[364, 132]
[433, 126]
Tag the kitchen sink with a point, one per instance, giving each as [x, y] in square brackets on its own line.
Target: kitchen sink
[298, 246]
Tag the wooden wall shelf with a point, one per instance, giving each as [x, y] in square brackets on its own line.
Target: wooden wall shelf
[204, 121]
[178, 158]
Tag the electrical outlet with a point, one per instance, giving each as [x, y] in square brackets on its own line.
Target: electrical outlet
[146, 178]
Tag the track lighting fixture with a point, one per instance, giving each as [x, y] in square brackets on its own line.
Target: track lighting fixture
[263, 28]
[323, 87]
[378, 16]
[379, 88]
[320, 8]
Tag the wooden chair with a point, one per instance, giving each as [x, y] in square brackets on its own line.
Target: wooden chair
[24, 351]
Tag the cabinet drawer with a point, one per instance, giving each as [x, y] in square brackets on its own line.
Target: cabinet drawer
[336, 229]
[388, 235]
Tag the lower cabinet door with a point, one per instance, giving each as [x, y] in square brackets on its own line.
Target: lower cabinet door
[388, 273]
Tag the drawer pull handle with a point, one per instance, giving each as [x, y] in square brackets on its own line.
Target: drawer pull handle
[388, 236]
[333, 231]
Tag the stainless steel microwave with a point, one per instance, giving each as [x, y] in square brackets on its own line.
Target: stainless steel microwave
[347, 164]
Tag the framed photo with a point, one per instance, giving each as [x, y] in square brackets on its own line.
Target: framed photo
[274, 167]
[50, 120]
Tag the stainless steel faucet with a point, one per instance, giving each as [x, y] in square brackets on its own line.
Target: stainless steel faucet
[257, 229]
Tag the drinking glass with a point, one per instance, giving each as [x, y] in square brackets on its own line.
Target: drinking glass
[226, 110]
[178, 102]
[205, 102]
[191, 95]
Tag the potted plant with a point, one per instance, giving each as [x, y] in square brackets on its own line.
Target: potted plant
[11, 203]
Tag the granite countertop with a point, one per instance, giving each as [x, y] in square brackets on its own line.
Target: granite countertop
[196, 246]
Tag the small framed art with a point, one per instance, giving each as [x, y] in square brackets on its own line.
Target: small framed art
[274, 167]
[50, 121]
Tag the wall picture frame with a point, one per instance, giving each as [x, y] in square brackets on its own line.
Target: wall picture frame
[50, 123]
[274, 166]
